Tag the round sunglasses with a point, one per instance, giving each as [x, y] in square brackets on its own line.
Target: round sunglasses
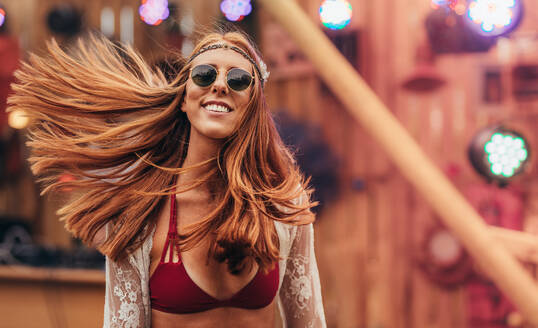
[237, 79]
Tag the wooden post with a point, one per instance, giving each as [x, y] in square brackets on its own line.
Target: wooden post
[522, 245]
[373, 115]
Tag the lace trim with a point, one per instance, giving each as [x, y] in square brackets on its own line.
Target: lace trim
[128, 315]
[300, 288]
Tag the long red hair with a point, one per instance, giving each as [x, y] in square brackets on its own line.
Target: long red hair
[102, 114]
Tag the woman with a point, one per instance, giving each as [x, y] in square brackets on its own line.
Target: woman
[188, 189]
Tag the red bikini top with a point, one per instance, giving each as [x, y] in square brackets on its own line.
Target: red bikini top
[173, 291]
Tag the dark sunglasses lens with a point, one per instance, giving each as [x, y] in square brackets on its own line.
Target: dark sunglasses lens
[238, 79]
[203, 75]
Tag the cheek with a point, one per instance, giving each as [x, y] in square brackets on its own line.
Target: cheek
[191, 98]
[242, 101]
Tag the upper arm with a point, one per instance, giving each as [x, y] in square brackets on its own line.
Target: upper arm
[301, 292]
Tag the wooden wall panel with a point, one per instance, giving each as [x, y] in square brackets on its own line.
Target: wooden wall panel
[51, 298]
[383, 226]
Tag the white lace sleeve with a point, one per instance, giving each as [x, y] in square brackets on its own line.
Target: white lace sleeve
[300, 292]
[123, 306]
[127, 292]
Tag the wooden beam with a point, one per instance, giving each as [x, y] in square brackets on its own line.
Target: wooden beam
[522, 245]
[372, 114]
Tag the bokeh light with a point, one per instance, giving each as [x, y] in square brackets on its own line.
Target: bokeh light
[153, 12]
[18, 119]
[441, 3]
[436, 4]
[460, 9]
[494, 17]
[235, 10]
[335, 14]
[2, 16]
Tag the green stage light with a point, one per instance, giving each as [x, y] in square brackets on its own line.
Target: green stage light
[506, 153]
[498, 153]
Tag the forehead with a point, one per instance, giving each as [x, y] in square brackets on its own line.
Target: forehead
[222, 58]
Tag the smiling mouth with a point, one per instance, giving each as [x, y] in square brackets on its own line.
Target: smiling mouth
[217, 108]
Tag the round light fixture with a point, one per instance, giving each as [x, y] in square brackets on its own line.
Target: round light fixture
[498, 153]
[154, 12]
[235, 10]
[335, 14]
[445, 248]
[494, 17]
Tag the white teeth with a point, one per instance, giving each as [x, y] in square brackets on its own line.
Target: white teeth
[217, 108]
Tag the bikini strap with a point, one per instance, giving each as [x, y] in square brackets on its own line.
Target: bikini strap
[172, 237]
[172, 229]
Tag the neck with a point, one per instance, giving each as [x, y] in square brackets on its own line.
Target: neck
[200, 149]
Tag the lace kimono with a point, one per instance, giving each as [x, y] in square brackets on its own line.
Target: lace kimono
[127, 302]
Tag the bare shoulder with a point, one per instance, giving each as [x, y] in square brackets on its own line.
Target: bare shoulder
[99, 238]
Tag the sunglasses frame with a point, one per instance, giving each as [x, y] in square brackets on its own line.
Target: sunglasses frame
[252, 77]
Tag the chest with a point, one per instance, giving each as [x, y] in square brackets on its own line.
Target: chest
[208, 274]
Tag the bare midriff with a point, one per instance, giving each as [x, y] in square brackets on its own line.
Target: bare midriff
[225, 317]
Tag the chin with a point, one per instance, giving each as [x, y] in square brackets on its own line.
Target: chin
[217, 135]
[212, 131]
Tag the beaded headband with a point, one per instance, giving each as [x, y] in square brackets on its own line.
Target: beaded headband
[263, 74]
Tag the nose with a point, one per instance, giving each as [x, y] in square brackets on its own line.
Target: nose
[220, 87]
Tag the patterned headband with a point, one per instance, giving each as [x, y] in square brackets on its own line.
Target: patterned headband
[263, 74]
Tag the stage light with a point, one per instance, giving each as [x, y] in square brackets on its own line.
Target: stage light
[2, 16]
[505, 153]
[494, 17]
[498, 153]
[335, 14]
[153, 12]
[235, 10]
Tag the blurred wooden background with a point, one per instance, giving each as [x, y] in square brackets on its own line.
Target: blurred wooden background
[370, 240]
[51, 298]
